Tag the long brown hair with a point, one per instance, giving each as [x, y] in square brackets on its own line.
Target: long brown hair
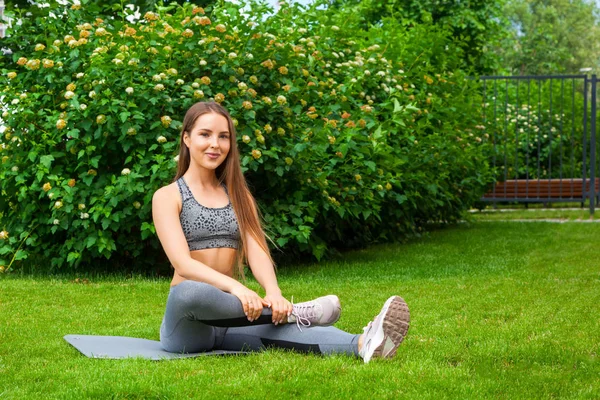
[229, 172]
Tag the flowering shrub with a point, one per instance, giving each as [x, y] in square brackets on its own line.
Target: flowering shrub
[342, 144]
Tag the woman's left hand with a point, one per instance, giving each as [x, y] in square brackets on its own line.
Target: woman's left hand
[280, 307]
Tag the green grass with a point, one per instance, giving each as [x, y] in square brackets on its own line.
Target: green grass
[499, 310]
[532, 213]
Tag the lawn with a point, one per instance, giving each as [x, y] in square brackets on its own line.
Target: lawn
[499, 310]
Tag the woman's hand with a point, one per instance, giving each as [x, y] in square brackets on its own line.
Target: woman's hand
[280, 307]
[253, 304]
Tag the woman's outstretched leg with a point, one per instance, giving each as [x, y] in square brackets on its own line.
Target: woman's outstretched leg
[194, 309]
[380, 339]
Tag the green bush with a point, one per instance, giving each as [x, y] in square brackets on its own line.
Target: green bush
[342, 143]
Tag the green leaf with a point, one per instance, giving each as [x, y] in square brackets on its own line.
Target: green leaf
[21, 255]
[371, 165]
[46, 161]
[72, 256]
[124, 115]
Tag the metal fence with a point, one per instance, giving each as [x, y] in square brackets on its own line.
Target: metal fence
[2, 26]
[543, 132]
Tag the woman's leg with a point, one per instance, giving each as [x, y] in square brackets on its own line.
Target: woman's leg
[314, 339]
[193, 311]
[200, 317]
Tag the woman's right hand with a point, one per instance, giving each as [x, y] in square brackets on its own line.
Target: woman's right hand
[251, 302]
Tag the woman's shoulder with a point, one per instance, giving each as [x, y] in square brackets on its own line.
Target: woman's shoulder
[168, 194]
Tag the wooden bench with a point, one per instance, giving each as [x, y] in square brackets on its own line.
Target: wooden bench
[542, 190]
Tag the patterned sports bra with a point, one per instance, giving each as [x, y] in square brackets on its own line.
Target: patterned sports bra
[206, 227]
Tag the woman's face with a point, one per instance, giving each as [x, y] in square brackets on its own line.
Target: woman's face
[209, 140]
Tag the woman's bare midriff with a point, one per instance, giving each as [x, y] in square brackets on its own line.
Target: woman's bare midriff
[221, 260]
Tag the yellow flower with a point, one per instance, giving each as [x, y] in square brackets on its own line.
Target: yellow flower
[204, 21]
[33, 64]
[39, 47]
[3, 235]
[331, 139]
[247, 105]
[188, 33]
[268, 128]
[11, 75]
[280, 131]
[150, 16]
[357, 177]
[100, 119]
[256, 154]
[388, 186]
[198, 94]
[22, 61]
[253, 79]
[281, 100]
[129, 31]
[47, 63]
[268, 64]
[220, 28]
[165, 120]
[71, 87]
[71, 182]
[205, 80]
[267, 100]
[61, 123]
[46, 186]
[246, 139]
[58, 204]
[289, 161]
[219, 97]
[283, 70]
[260, 139]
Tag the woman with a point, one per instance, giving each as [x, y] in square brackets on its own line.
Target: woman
[208, 224]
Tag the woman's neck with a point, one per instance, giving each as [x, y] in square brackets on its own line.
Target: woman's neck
[205, 178]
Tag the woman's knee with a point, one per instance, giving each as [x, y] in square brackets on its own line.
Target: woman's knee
[189, 295]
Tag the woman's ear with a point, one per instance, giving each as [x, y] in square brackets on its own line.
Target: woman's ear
[186, 139]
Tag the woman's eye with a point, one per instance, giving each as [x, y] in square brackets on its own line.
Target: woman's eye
[204, 134]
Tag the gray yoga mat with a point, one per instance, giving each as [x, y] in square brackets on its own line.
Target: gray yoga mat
[117, 347]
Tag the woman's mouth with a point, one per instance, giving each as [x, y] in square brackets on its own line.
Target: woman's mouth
[212, 156]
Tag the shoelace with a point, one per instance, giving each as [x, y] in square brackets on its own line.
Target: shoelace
[302, 314]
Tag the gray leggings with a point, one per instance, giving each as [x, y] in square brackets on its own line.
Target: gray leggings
[199, 317]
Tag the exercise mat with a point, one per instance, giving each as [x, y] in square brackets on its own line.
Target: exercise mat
[117, 347]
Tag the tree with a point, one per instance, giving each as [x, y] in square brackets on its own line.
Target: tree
[476, 25]
[551, 36]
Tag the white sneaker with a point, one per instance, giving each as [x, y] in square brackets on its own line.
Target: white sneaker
[322, 311]
[384, 334]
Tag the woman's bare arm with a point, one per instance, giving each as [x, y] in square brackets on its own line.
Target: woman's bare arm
[165, 214]
[261, 266]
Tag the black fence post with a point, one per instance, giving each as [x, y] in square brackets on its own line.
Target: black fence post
[593, 147]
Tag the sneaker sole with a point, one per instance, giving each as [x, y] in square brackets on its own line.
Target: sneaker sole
[396, 322]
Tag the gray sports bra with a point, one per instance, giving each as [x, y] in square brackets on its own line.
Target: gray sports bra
[206, 227]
